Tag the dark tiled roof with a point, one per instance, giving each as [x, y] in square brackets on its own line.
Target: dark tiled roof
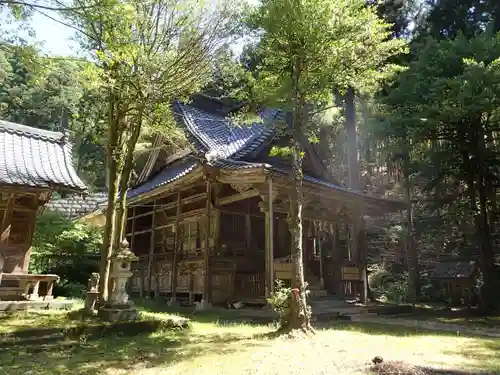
[214, 133]
[36, 158]
[233, 147]
[453, 270]
[76, 206]
[167, 175]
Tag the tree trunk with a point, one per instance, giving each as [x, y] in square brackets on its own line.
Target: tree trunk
[486, 256]
[300, 314]
[113, 167]
[128, 166]
[411, 252]
[354, 181]
[352, 141]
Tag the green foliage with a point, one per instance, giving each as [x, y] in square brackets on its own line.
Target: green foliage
[280, 301]
[443, 114]
[38, 91]
[280, 151]
[65, 248]
[450, 18]
[348, 46]
[387, 285]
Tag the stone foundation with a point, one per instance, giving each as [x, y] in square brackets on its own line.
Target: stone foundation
[113, 312]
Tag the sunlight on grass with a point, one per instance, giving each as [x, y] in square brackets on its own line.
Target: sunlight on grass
[219, 347]
[33, 319]
[490, 321]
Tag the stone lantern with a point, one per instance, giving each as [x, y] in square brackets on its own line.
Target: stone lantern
[118, 306]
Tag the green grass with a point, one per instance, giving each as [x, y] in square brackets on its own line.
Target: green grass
[34, 319]
[215, 346]
[460, 317]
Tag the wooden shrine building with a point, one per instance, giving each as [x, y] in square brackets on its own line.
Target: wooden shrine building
[210, 222]
[33, 163]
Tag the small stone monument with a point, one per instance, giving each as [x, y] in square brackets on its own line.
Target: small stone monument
[92, 293]
[118, 306]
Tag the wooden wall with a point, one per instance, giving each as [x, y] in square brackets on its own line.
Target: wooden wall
[18, 213]
[236, 242]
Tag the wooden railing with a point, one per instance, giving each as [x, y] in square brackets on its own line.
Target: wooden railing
[249, 285]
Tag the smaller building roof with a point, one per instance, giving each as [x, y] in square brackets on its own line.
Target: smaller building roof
[76, 206]
[454, 269]
[36, 158]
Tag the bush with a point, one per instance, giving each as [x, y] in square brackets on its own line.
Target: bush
[71, 289]
[68, 249]
[388, 285]
[280, 301]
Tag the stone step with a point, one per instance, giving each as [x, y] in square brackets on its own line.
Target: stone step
[9, 342]
[12, 306]
[360, 317]
[318, 293]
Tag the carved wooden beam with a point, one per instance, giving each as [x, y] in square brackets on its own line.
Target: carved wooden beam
[239, 197]
[241, 187]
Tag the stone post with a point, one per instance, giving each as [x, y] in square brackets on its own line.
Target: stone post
[34, 294]
[50, 290]
[92, 293]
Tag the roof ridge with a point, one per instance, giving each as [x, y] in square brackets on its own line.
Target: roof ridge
[253, 134]
[30, 131]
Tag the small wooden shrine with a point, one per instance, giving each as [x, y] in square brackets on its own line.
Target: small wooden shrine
[210, 223]
[457, 279]
[33, 163]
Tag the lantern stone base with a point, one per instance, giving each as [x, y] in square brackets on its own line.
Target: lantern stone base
[118, 312]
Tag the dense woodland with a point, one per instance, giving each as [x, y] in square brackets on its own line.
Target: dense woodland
[418, 96]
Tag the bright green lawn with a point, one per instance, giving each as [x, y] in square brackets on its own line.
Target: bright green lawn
[214, 348]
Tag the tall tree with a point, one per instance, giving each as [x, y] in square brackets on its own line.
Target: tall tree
[449, 18]
[300, 65]
[446, 105]
[147, 54]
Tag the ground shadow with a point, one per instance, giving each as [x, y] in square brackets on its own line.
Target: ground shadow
[117, 352]
[386, 329]
[93, 355]
[402, 368]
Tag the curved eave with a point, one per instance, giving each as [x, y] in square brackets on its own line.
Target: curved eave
[36, 158]
[167, 180]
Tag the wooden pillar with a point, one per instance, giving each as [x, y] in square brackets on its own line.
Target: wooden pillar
[216, 216]
[248, 231]
[5, 226]
[271, 237]
[132, 234]
[151, 250]
[319, 244]
[357, 252]
[5, 231]
[207, 284]
[177, 241]
[28, 241]
[267, 208]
